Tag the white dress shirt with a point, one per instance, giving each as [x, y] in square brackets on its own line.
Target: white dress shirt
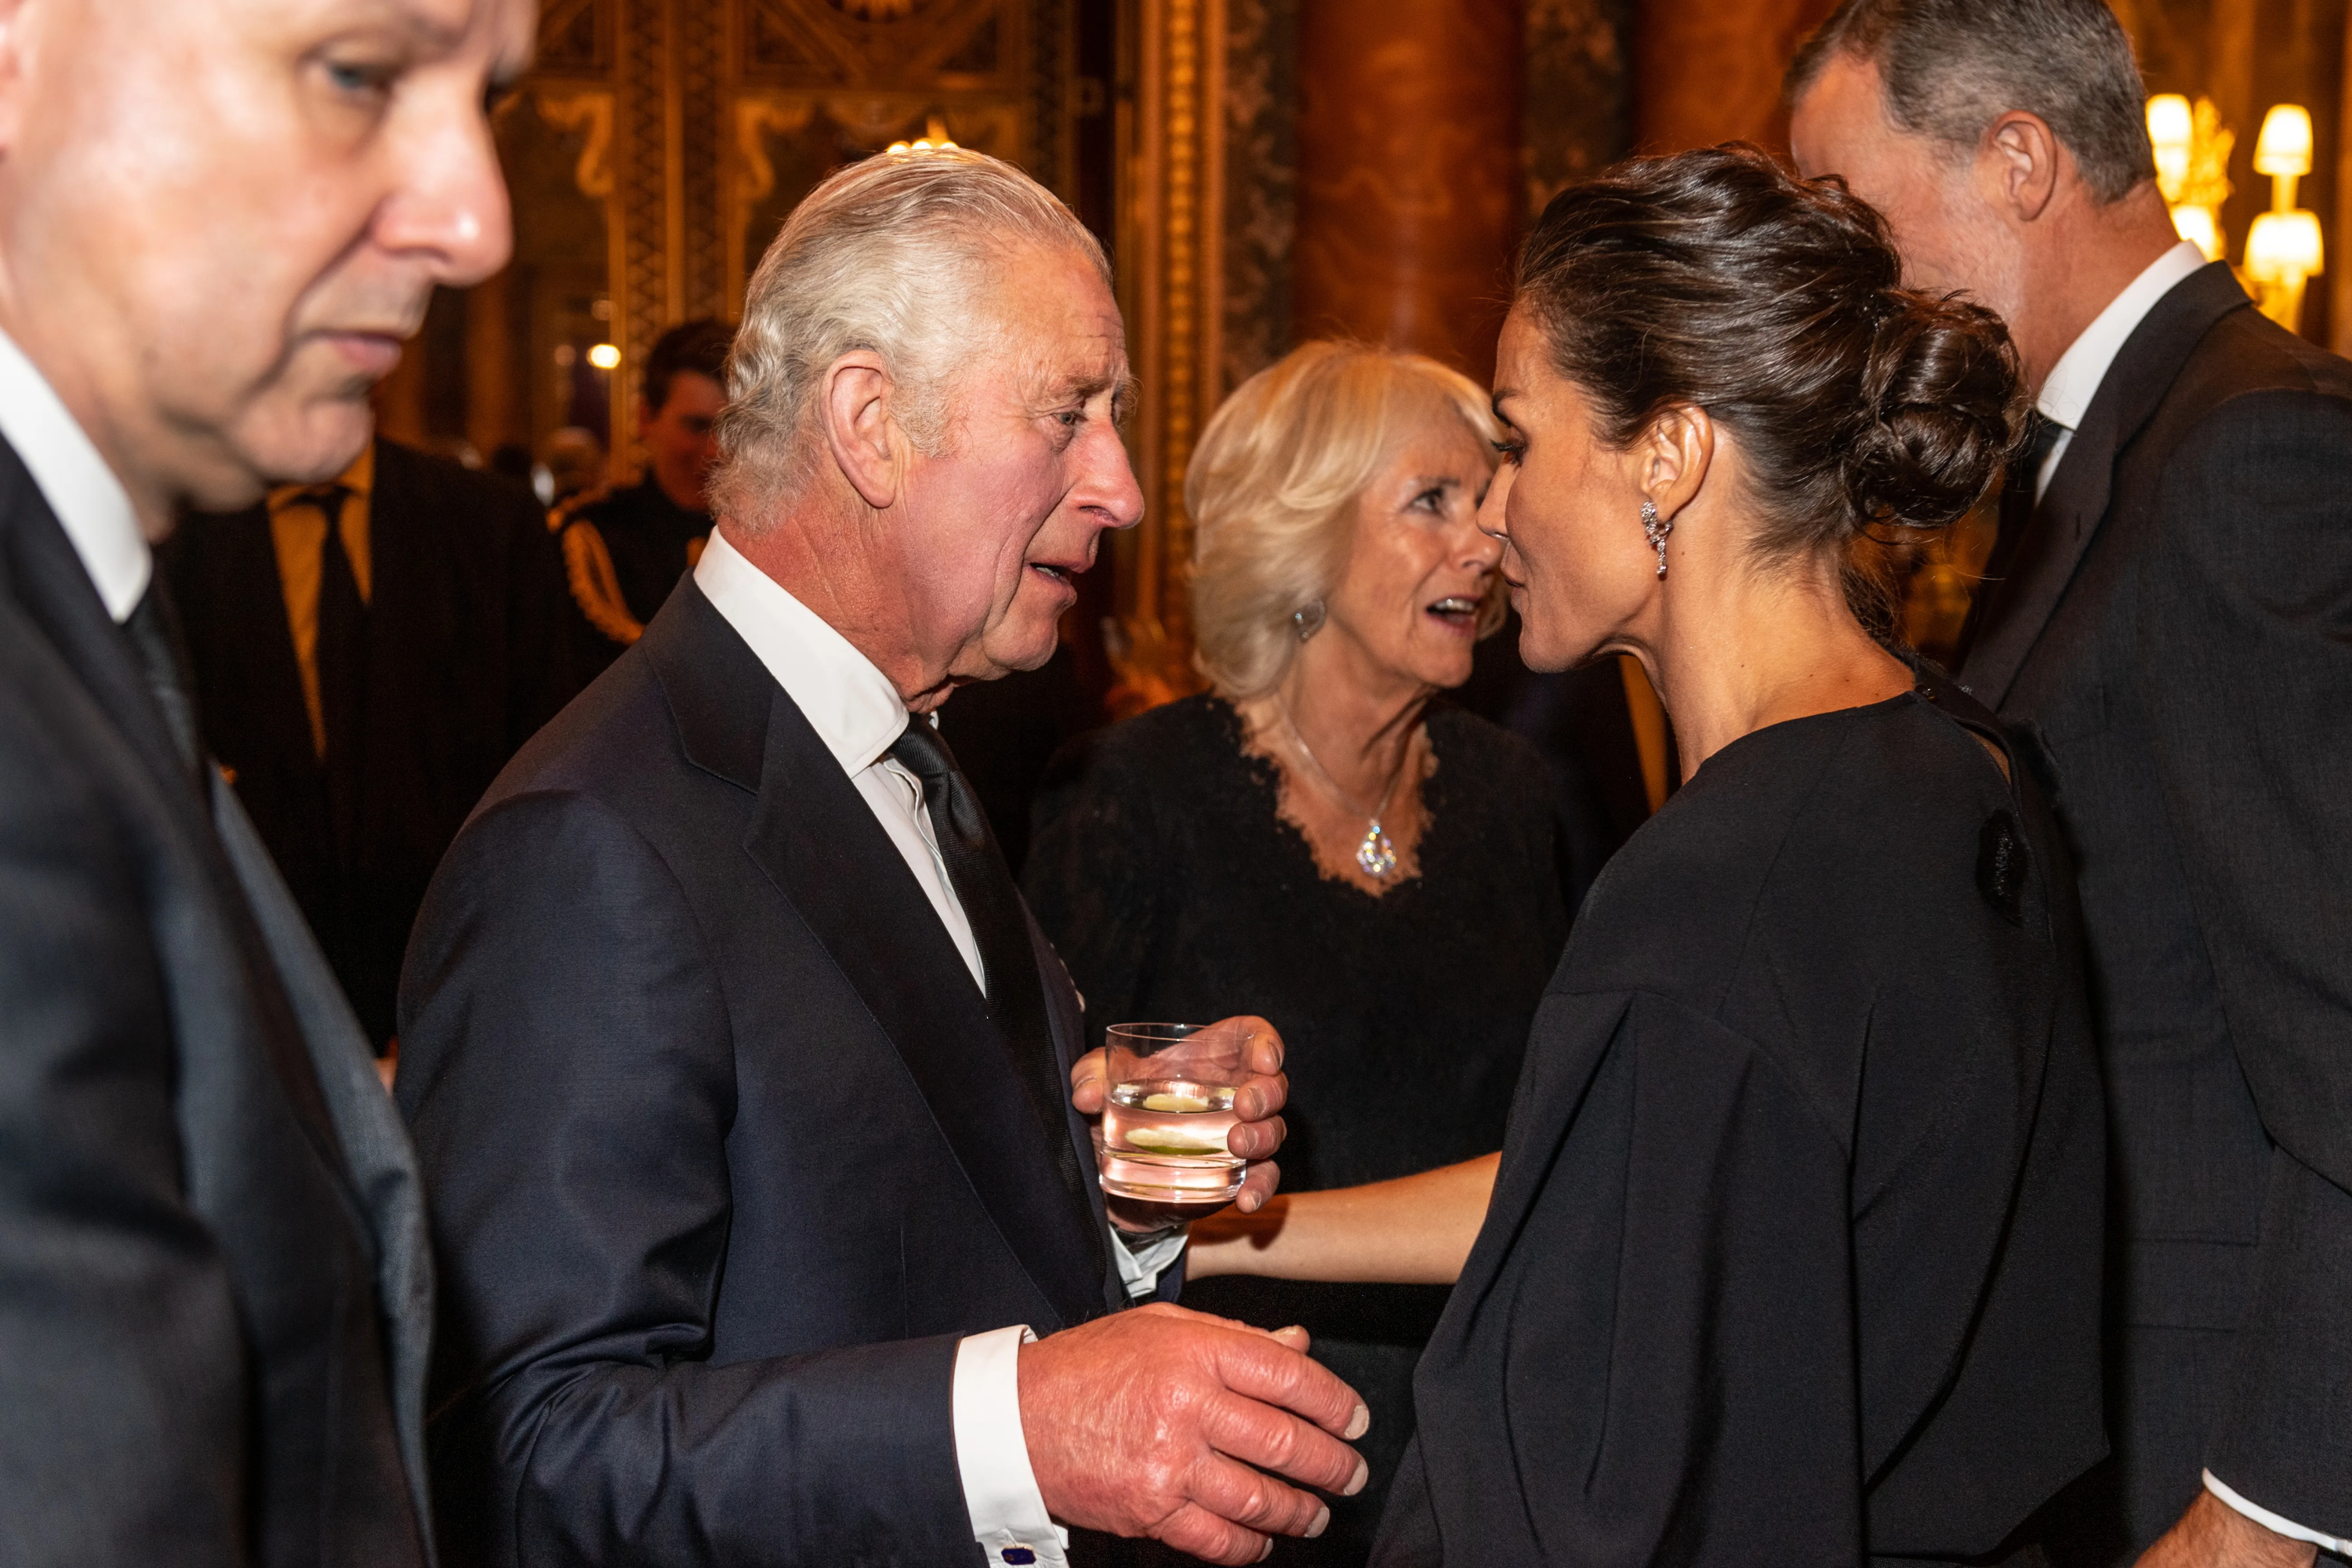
[2065, 398]
[858, 715]
[2074, 379]
[91, 504]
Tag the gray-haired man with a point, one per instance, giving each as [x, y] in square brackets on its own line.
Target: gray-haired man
[739, 1074]
[2167, 623]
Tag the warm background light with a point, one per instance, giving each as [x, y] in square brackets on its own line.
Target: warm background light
[2196, 225]
[2284, 247]
[604, 356]
[2284, 145]
[2170, 130]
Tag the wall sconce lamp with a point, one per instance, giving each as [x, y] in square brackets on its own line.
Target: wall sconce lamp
[2192, 164]
[2192, 161]
[2283, 248]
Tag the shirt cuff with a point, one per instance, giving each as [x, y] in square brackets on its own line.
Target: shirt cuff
[999, 1489]
[1142, 1260]
[2272, 1522]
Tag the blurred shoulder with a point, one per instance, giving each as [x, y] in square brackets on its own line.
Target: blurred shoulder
[1471, 747]
[1161, 744]
[441, 491]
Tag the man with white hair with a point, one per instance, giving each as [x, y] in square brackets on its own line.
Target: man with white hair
[218, 220]
[739, 1074]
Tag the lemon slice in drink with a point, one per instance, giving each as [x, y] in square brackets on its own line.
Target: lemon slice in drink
[1179, 1102]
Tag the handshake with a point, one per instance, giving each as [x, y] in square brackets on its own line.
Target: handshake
[1175, 1425]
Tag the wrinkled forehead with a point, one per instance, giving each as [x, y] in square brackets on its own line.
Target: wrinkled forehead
[1060, 326]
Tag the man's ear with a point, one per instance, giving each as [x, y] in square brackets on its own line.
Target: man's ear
[2025, 158]
[1675, 454]
[860, 431]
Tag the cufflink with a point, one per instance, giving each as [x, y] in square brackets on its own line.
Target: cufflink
[1017, 1554]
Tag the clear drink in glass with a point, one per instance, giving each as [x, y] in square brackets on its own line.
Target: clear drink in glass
[1167, 1112]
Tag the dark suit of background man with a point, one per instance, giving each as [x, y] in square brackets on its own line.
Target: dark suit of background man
[2167, 625]
[739, 1073]
[364, 684]
[214, 1290]
[624, 550]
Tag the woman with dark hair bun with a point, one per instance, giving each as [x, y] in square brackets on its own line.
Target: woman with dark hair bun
[1792, 1254]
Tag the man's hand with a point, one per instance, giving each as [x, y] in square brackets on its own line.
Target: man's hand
[1257, 1121]
[2212, 1535]
[1149, 1423]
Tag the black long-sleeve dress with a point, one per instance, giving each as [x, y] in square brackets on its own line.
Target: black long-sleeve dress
[1794, 1254]
[1175, 892]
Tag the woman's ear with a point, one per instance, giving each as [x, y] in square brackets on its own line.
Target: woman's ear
[1675, 454]
[860, 429]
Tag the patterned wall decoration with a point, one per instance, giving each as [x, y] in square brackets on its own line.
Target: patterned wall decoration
[1578, 92]
[657, 145]
[1261, 167]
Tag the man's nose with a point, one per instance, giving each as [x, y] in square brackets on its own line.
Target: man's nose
[1110, 488]
[448, 202]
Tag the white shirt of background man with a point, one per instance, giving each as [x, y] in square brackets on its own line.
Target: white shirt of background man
[858, 715]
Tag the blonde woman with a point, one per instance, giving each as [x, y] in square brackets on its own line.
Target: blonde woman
[1317, 839]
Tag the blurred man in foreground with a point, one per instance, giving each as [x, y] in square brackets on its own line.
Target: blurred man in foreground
[737, 1069]
[2163, 626]
[218, 220]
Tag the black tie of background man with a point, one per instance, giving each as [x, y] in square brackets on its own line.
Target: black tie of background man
[2017, 501]
[1000, 924]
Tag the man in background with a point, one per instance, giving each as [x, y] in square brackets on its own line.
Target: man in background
[2164, 626]
[218, 220]
[624, 550]
[368, 654]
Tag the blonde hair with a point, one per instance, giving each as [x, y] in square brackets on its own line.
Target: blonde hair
[892, 256]
[1272, 493]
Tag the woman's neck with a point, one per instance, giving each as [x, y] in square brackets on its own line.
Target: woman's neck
[1356, 717]
[1735, 651]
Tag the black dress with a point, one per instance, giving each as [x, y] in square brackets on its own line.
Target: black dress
[1794, 1254]
[1175, 892]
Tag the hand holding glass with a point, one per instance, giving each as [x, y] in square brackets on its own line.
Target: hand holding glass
[1168, 1112]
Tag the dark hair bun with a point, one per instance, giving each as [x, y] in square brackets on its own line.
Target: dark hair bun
[1945, 399]
[1716, 279]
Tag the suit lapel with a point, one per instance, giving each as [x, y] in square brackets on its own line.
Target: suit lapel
[302, 1024]
[2072, 509]
[817, 841]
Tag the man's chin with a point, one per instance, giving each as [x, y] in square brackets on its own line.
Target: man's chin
[307, 444]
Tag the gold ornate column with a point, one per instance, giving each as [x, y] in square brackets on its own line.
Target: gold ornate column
[1168, 250]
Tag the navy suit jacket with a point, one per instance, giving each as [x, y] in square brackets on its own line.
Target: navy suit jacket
[725, 1153]
[2173, 647]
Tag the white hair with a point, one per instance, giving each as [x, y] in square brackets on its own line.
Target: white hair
[891, 256]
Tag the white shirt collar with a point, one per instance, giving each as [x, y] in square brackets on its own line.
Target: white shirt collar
[2076, 378]
[91, 504]
[850, 704]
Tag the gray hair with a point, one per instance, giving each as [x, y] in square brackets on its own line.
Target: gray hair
[892, 256]
[1951, 67]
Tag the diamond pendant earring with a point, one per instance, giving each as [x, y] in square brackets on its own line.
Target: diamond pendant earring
[1307, 620]
[1656, 532]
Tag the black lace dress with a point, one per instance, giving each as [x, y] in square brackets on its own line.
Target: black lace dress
[1174, 890]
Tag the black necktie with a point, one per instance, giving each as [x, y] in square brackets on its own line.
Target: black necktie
[341, 659]
[1000, 924]
[2018, 499]
[154, 629]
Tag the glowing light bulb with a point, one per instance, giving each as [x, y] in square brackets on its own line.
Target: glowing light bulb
[604, 356]
[2284, 247]
[2284, 145]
